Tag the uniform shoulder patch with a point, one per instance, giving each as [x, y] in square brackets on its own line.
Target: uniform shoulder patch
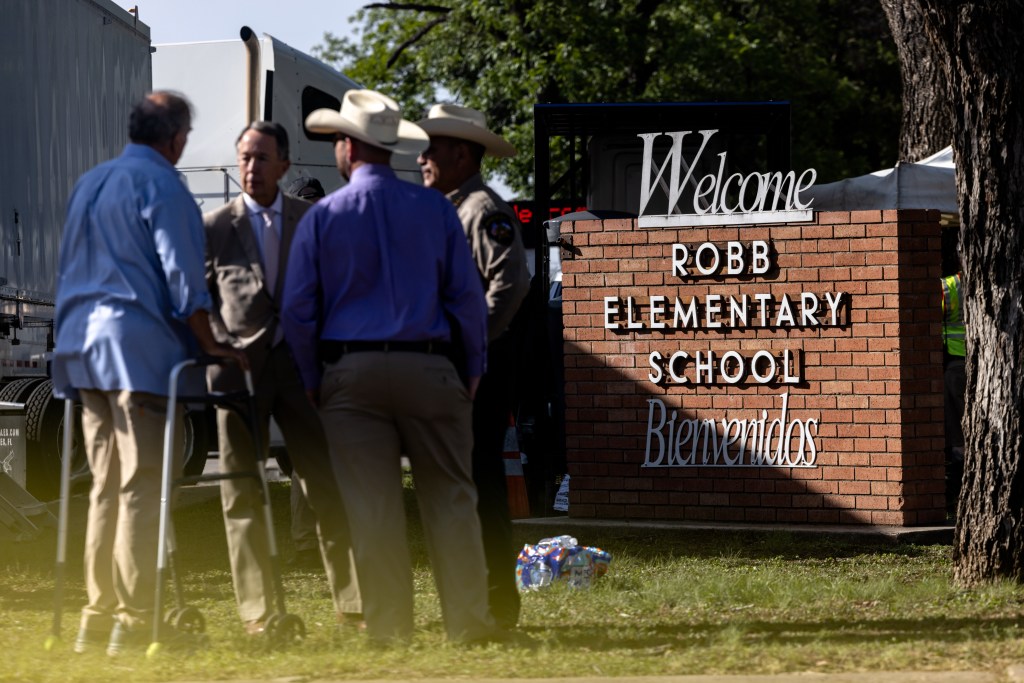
[499, 228]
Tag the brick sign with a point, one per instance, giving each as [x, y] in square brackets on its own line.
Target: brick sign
[756, 372]
[757, 440]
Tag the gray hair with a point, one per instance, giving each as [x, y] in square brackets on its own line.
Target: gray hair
[158, 117]
[274, 130]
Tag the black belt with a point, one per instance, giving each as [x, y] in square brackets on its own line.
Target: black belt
[331, 350]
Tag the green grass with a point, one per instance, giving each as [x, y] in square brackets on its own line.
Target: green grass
[673, 602]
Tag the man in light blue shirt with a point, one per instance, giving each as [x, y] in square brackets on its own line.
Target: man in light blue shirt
[380, 284]
[131, 303]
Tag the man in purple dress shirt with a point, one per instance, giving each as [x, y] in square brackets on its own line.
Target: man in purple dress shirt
[380, 279]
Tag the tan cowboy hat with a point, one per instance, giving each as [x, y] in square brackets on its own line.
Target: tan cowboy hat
[453, 121]
[375, 119]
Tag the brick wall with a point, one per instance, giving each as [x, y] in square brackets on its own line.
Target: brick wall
[873, 384]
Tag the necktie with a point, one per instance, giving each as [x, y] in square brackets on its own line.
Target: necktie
[271, 248]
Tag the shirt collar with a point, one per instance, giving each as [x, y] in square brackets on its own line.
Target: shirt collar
[134, 149]
[255, 207]
[473, 183]
[368, 171]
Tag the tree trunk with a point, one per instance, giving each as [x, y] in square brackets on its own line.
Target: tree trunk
[925, 128]
[981, 44]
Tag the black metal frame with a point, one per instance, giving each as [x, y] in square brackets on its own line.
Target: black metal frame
[578, 122]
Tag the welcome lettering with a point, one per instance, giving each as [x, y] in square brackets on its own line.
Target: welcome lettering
[753, 193]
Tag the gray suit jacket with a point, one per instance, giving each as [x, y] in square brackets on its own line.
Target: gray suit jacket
[245, 312]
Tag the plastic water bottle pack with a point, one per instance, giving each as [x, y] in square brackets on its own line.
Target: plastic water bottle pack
[559, 559]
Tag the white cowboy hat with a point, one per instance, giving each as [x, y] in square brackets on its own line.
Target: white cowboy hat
[453, 121]
[375, 119]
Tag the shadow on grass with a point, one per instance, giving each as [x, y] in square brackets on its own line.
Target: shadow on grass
[759, 634]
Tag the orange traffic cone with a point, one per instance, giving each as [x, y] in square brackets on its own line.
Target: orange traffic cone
[518, 503]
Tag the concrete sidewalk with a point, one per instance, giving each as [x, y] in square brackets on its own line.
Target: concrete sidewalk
[1014, 675]
[925, 535]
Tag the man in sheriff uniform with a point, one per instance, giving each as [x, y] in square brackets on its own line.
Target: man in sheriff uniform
[459, 138]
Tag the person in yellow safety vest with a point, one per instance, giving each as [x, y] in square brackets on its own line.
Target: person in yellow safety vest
[955, 378]
[952, 316]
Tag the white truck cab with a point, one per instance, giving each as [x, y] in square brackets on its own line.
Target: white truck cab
[233, 82]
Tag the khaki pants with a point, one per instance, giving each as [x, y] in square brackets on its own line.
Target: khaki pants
[375, 406]
[124, 440]
[279, 392]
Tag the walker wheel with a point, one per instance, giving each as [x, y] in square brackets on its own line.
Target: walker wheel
[285, 629]
[187, 620]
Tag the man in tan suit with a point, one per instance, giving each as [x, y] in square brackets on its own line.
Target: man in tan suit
[247, 243]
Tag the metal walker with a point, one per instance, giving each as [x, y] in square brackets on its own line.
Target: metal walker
[281, 628]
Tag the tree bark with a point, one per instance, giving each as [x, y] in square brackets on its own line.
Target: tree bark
[981, 45]
[926, 123]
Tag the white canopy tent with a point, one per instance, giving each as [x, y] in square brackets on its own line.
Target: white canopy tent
[926, 184]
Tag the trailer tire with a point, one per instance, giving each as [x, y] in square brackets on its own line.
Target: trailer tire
[44, 431]
[4, 381]
[36, 405]
[18, 390]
